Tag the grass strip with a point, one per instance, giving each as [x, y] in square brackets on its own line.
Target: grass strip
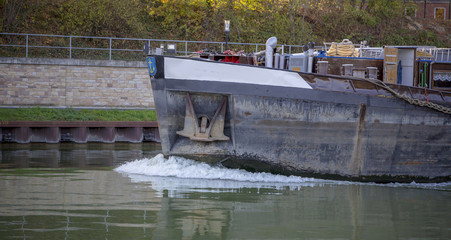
[70, 114]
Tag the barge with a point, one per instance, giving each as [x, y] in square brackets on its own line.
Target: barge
[305, 124]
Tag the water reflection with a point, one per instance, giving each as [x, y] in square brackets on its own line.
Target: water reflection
[90, 203]
[73, 155]
[105, 204]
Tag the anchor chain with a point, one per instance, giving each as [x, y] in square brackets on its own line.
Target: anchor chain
[410, 100]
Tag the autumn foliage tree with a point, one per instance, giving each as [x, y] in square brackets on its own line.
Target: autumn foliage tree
[291, 21]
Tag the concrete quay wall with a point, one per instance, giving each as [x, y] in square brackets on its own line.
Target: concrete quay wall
[74, 83]
[78, 131]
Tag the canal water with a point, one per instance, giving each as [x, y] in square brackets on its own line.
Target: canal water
[130, 191]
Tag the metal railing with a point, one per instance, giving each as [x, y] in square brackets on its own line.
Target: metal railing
[63, 46]
[371, 52]
[112, 48]
[431, 52]
[437, 54]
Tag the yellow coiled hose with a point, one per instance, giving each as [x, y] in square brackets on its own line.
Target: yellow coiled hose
[343, 49]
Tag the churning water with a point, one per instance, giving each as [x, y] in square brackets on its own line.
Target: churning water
[203, 175]
[146, 196]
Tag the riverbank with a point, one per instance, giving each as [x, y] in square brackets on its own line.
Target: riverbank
[78, 131]
[75, 114]
[54, 125]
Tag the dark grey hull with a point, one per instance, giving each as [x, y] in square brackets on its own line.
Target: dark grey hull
[309, 132]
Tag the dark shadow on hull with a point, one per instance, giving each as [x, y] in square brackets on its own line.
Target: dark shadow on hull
[254, 165]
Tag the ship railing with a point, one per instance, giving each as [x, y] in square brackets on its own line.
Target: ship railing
[437, 54]
[371, 52]
[364, 50]
[432, 52]
[443, 55]
[113, 48]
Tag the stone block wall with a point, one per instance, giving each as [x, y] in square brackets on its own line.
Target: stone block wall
[74, 83]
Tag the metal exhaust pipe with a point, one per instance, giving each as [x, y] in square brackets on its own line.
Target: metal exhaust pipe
[270, 46]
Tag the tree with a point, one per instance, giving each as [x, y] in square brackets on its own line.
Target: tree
[11, 9]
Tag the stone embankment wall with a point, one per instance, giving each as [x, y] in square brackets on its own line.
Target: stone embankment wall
[74, 83]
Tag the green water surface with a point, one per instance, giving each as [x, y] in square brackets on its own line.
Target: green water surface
[69, 191]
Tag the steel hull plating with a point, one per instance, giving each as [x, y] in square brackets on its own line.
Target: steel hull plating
[309, 132]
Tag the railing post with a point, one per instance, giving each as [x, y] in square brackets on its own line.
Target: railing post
[26, 48]
[70, 47]
[186, 48]
[110, 48]
[222, 45]
[289, 50]
[256, 48]
[149, 50]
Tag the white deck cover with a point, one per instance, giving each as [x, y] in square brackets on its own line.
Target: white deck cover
[182, 68]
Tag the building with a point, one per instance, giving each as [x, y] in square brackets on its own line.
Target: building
[432, 9]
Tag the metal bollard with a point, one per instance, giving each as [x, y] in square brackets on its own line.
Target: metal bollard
[372, 72]
[322, 67]
[347, 69]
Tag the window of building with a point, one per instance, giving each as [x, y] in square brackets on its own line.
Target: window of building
[439, 13]
[410, 11]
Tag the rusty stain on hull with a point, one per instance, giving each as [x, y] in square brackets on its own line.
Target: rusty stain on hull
[357, 154]
[411, 163]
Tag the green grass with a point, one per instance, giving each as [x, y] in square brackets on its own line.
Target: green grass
[70, 114]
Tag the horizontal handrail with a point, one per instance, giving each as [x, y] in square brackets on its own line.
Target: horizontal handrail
[70, 46]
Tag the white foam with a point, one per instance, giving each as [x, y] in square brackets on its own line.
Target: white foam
[177, 176]
[178, 173]
[185, 168]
